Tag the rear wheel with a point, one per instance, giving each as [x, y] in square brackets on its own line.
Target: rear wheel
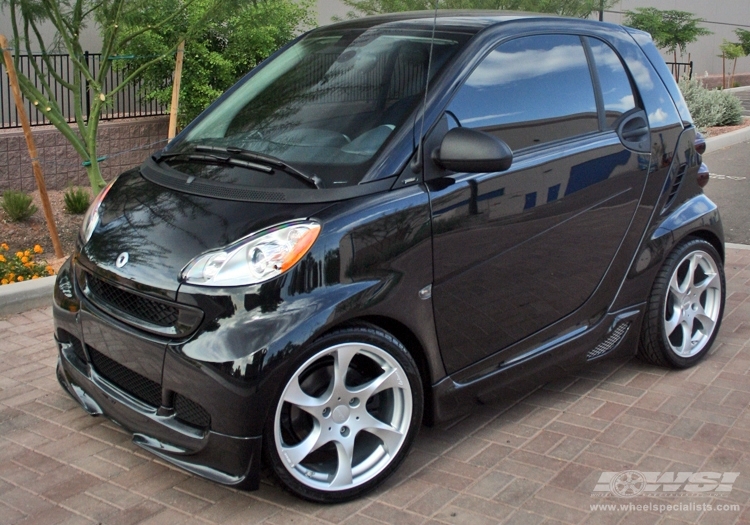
[346, 416]
[685, 307]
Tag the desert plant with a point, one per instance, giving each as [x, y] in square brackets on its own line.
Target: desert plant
[711, 107]
[76, 201]
[17, 205]
[21, 266]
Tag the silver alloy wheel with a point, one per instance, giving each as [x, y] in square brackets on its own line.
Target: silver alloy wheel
[343, 416]
[693, 304]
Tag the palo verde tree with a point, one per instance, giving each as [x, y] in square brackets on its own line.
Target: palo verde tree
[232, 39]
[671, 30]
[576, 8]
[68, 18]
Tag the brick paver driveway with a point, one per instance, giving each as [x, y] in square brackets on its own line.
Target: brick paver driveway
[536, 460]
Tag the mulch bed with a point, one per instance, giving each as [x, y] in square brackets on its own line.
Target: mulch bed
[25, 235]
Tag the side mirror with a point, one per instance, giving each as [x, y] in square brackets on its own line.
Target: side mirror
[472, 151]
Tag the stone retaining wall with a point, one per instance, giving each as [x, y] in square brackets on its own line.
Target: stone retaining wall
[126, 143]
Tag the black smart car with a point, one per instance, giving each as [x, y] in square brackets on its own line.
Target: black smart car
[387, 221]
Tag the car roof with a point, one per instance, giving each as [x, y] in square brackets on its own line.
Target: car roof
[471, 21]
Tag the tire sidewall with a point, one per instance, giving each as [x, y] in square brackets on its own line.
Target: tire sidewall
[364, 334]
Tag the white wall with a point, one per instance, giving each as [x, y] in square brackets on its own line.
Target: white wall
[89, 37]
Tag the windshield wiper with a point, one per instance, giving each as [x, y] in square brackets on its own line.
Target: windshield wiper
[214, 159]
[266, 160]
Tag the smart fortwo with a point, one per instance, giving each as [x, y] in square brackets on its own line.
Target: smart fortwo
[387, 221]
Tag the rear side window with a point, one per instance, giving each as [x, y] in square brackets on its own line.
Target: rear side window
[530, 91]
[617, 92]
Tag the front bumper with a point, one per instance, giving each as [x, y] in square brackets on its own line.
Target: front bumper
[156, 425]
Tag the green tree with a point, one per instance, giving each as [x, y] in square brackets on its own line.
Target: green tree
[744, 36]
[231, 41]
[68, 18]
[730, 51]
[671, 30]
[576, 8]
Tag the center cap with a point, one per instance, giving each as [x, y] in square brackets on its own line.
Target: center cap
[341, 414]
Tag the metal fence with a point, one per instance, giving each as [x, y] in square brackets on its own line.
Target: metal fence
[128, 103]
[681, 69]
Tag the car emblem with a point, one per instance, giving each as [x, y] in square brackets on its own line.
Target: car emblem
[122, 260]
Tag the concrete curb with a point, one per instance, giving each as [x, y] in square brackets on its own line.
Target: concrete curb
[19, 297]
[727, 139]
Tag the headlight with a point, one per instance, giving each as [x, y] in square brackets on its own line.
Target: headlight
[91, 218]
[254, 259]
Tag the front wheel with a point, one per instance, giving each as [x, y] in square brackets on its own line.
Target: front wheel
[346, 416]
[686, 306]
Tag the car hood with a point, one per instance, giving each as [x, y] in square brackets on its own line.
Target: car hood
[162, 229]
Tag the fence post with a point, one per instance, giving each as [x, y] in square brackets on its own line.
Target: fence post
[13, 80]
[88, 97]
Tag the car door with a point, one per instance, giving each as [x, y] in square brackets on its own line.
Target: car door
[516, 251]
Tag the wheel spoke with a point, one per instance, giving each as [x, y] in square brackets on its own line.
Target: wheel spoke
[297, 397]
[297, 453]
[388, 379]
[684, 348]
[677, 289]
[342, 358]
[390, 436]
[706, 321]
[711, 281]
[345, 452]
[672, 323]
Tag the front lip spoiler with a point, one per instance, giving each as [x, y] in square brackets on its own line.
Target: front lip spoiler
[228, 460]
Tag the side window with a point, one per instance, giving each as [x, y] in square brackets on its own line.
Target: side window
[616, 88]
[530, 91]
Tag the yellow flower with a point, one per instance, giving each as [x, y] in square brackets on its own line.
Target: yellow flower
[4, 246]
[27, 253]
[38, 249]
[51, 271]
[4, 281]
[24, 259]
[2, 259]
[20, 278]
[19, 254]
[34, 277]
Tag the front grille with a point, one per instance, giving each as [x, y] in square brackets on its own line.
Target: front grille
[610, 342]
[190, 412]
[131, 382]
[154, 312]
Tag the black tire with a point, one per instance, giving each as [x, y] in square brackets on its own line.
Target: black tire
[314, 408]
[677, 330]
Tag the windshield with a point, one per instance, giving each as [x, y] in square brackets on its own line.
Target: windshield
[328, 104]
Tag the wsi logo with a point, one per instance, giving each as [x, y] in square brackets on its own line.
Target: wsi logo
[631, 483]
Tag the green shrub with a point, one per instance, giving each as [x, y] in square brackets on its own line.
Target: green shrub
[76, 201]
[17, 205]
[711, 107]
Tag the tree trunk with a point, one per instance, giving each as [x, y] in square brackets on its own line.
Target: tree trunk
[731, 78]
[95, 176]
